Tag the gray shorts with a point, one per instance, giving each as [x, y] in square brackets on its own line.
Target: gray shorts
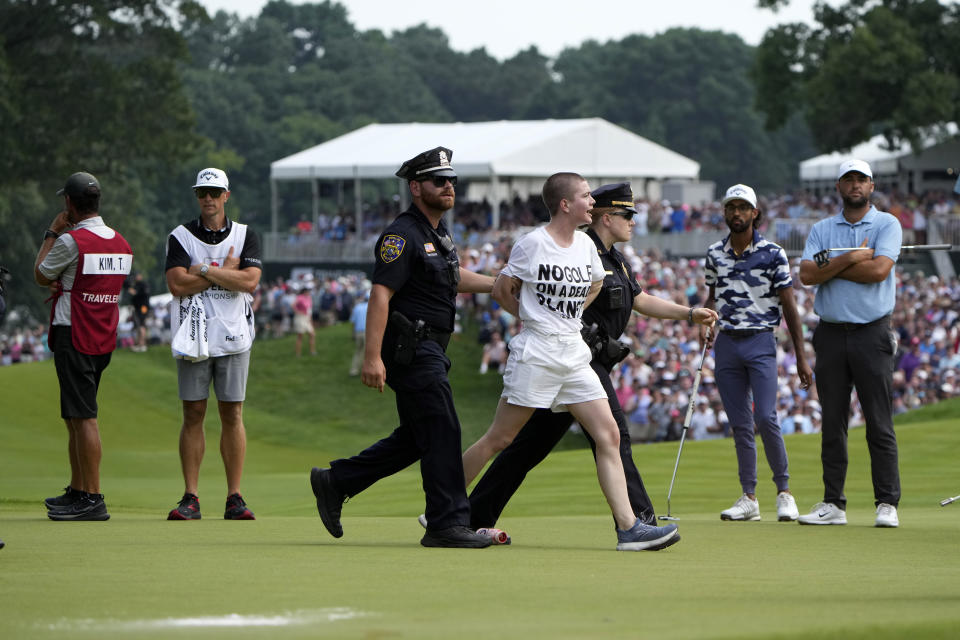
[229, 375]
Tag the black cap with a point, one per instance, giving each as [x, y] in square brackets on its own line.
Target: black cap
[617, 195]
[79, 184]
[435, 162]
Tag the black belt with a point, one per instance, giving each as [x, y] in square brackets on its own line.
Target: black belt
[744, 333]
[440, 337]
[855, 326]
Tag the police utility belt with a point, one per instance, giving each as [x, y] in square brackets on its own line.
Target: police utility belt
[605, 350]
[410, 333]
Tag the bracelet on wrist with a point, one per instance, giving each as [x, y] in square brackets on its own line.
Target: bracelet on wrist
[50, 233]
[690, 316]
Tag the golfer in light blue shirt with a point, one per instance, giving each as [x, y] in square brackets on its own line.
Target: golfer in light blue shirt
[841, 300]
[854, 343]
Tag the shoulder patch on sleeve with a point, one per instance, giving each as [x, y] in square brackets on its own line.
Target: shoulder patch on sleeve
[391, 247]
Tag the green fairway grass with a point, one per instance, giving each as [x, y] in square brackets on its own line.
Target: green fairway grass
[283, 576]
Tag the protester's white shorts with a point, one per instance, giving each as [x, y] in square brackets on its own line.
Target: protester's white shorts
[550, 371]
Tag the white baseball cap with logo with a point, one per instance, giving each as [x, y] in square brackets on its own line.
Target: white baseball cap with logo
[741, 192]
[212, 177]
[854, 165]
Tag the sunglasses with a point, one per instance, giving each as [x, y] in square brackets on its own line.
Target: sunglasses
[203, 192]
[441, 181]
[626, 215]
[745, 207]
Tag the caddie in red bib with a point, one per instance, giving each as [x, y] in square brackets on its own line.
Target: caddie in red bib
[85, 263]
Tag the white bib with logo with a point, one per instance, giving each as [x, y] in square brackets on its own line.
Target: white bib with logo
[228, 313]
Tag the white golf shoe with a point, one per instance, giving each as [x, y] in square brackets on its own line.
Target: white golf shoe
[743, 509]
[886, 516]
[824, 513]
[786, 507]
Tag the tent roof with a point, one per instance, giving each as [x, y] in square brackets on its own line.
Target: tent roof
[883, 161]
[592, 147]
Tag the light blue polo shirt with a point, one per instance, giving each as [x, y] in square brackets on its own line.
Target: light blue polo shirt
[840, 300]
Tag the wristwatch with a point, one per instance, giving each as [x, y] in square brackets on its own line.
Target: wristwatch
[690, 316]
[50, 233]
[204, 268]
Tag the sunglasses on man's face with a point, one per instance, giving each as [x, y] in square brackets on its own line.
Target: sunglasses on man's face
[626, 215]
[440, 181]
[743, 207]
[203, 192]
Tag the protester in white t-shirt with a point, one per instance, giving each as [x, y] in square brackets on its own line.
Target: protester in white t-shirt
[553, 273]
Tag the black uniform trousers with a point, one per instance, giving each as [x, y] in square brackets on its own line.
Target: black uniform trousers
[861, 356]
[537, 438]
[429, 431]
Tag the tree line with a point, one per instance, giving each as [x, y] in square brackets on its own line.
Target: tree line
[143, 93]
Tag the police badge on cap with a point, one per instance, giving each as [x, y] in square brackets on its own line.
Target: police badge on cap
[435, 162]
[618, 195]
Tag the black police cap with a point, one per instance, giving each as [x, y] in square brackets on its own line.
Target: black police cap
[435, 162]
[79, 184]
[617, 195]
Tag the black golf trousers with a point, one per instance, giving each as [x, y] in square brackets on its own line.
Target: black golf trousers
[863, 357]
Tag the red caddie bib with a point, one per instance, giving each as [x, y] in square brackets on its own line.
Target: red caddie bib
[102, 267]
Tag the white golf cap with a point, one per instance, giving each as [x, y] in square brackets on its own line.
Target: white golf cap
[212, 177]
[854, 165]
[741, 192]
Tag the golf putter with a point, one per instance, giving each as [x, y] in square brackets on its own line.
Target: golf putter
[945, 501]
[686, 425]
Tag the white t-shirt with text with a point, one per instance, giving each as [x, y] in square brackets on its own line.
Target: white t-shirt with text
[556, 280]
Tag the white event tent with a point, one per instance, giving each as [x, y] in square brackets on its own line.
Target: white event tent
[933, 166]
[492, 152]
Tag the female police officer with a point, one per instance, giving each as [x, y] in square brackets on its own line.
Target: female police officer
[409, 321]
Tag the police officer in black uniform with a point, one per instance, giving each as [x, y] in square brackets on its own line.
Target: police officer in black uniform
[604, 321]
[409, 321]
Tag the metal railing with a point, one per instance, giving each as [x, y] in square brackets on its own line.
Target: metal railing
[288, 247]
[789, 233]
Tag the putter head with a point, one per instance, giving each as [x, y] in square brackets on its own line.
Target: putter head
[667, 518]
[947, 501]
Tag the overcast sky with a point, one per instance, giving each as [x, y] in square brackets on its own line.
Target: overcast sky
[505, 27]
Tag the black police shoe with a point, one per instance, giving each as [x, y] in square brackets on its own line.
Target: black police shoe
[68, 497]
[329, 500]
[90, 506]
[456, 537]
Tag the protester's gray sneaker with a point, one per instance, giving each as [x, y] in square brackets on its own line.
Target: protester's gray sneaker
[786, 507]
[887, 516]
[743, 509]
[824, 513]
[644, 537]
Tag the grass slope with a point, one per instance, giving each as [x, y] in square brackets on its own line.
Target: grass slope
[283, 576]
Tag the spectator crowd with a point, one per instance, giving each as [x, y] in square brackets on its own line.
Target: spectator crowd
[654, 382]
